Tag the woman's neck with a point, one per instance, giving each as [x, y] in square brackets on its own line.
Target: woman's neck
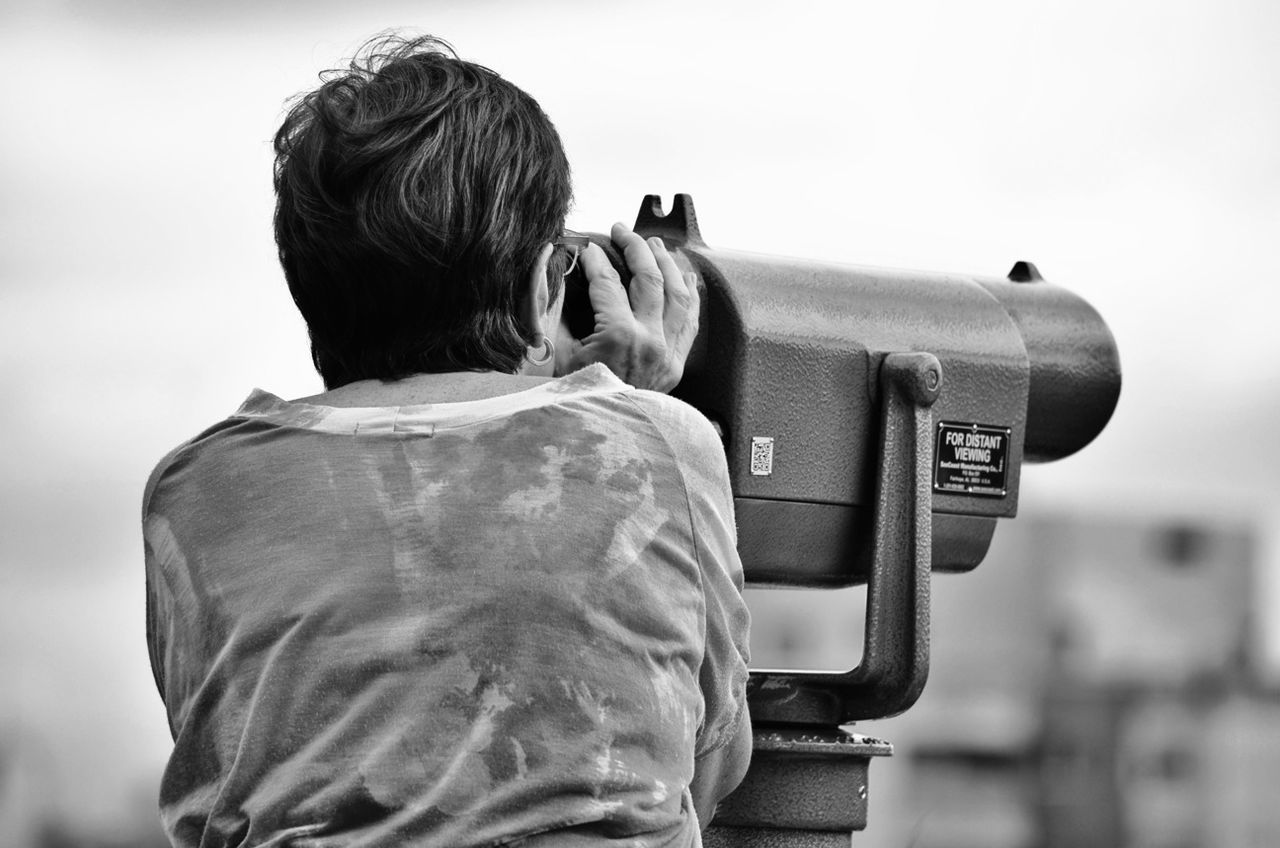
[417, 389]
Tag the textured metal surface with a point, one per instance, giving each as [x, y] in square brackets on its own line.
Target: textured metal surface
[793, 543]
[812, 779]
[895, 659]
[678, 228]
[718, 836]
[794, 350]
[790, 350]
[1075, 367]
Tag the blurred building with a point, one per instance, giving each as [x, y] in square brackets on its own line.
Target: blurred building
[1098, 682]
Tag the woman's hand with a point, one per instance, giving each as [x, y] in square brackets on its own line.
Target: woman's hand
[643, 333]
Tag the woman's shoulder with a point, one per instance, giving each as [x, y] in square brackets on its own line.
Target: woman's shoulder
[676, 419]
[679, 423]
[690, 439]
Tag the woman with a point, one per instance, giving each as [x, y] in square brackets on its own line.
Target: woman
[450, 600]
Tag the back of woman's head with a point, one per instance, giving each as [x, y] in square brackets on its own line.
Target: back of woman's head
[414, 192]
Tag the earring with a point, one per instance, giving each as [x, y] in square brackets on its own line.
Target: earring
[548, 353]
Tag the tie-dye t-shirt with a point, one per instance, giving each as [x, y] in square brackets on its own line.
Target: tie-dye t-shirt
[507, 621]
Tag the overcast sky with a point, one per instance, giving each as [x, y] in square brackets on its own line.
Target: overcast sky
[1131, 150]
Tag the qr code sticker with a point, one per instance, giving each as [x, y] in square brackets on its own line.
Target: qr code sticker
[761, 456]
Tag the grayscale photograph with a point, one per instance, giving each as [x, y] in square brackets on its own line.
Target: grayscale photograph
[728, 424]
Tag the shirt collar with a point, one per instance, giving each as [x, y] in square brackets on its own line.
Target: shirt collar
[593, 380]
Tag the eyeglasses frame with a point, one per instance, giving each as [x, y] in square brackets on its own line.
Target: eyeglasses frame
[574, 240]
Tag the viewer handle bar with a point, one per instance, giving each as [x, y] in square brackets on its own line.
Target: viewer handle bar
[895, 659]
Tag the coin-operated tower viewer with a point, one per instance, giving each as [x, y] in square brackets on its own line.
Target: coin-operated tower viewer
[875, 423]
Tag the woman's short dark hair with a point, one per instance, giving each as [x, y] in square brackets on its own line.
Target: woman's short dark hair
[414, 191]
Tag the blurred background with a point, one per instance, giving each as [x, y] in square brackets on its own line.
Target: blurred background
[1107, 677]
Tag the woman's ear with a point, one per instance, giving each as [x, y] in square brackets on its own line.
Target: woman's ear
[537, 299]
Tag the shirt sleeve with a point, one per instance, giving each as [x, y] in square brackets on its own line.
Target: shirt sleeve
[155, 611]
[701, 460]
[155, 534]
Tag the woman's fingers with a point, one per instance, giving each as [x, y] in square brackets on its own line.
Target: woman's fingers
[678, 299]
[647, 284]
[642, 333]
[604, 287]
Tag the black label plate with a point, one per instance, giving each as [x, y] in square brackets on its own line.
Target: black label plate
[971, 459]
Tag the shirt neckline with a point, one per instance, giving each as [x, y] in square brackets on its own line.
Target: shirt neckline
[595, 379]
